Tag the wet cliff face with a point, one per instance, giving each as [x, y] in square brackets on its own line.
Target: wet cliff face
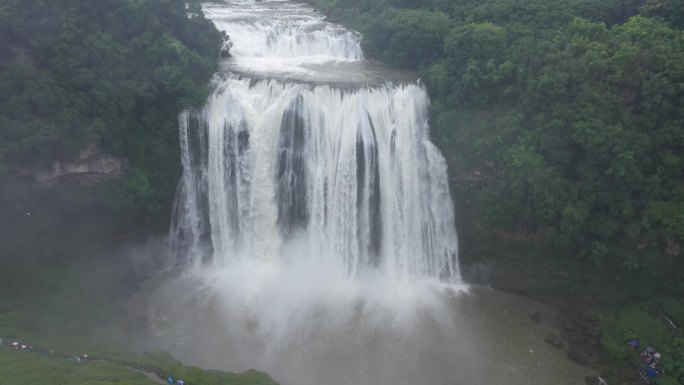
[92, 166]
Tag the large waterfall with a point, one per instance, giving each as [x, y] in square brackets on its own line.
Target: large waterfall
[292, 150]
[313, 232]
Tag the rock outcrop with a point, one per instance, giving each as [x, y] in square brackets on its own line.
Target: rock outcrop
[554, 340]
[92, 166]
[583, 332]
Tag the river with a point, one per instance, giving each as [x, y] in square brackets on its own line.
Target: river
[313, 233]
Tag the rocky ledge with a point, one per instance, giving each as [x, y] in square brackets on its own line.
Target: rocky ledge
[92, 166]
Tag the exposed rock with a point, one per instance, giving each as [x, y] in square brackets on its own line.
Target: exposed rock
[536, 317]
[92, 166]
[565, 323]
[477, 177]
[581, 355]
[672, 247]
[582, 329]
[554, 340]
[224, 52]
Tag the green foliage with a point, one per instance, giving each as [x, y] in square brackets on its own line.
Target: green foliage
[134, 193]
[194, 375]
[675, 366]
[574, 110]
[671, 10]
[614, 345]
[71, 296]
[409, 38]
[645, 322]
[22, 368]
[113, 72]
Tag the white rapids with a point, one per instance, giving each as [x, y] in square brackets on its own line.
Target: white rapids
[313, 231]
[348, 173]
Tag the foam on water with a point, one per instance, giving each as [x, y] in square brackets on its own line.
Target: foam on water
[352, 174]
[313, 223]
[313, 231]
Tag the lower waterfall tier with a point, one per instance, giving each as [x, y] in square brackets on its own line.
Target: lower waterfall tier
[276, 171]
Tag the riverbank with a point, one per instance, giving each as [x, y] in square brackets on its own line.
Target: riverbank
[68, 266]
[601, 308]
[541, 210]
[24, 364]
[70, 293]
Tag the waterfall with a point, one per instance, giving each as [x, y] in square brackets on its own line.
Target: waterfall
[281, 160]
[313, 230]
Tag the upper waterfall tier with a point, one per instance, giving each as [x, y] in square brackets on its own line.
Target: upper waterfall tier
[283, 30]
[288, 41]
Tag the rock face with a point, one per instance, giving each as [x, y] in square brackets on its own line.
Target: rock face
[582, 355]
[583, 332]
[536, 317]
[554, 340]
[224, 52]
[92, 166]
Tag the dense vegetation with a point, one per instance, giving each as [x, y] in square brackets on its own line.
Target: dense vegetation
[564, 120]
[570, 112]
[111, 72]
[67, 273]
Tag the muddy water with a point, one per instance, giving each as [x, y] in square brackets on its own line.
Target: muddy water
[417, 335]
[314, 227]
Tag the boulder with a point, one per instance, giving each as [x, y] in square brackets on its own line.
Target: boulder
[554, 340]
[224, 52]
[581, 355]
[536, 317]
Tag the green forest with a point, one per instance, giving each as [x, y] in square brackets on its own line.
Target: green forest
[570, 113]
[560, 118]
[111, 72]
[563, 120]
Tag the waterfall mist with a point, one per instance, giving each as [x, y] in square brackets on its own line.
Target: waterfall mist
[313, 232]
[351, 174]
[313, 222]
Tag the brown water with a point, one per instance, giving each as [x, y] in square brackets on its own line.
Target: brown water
[433, 336]
[347, 294]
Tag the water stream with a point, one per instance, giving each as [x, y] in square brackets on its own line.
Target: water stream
[313, 234]
[278, 157]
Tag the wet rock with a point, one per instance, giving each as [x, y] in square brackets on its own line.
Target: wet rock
[554, 340]
[581, 355]
[536, 317]
[566, 324]
[92, 166]
[582, 329]
[224, 52]
[592, 379]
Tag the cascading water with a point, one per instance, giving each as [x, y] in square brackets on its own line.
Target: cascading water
[349, 172]
[313, 234]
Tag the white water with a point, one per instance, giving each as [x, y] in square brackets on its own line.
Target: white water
[314, 229]
[271, 167]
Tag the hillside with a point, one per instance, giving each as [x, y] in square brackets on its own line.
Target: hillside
[110, 73]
